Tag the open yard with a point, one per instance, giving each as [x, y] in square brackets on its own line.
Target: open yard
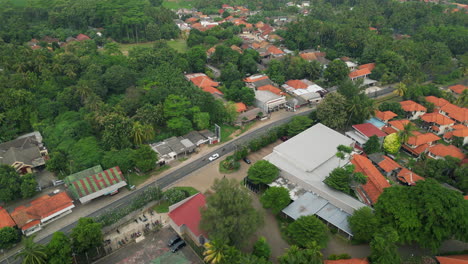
[177, 4]
[179, 45]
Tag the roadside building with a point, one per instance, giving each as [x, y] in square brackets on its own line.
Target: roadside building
[268, 101]
[5, 219]
[185, 216]
[94, 182]
[25, 153]
[42, 211]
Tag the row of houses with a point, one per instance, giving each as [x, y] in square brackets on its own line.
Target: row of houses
[35, 43]
[172, 148]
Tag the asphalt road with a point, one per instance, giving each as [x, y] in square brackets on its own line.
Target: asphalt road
[175, 175]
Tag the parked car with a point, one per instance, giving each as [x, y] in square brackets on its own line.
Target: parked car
[246, 160]
[284, 138]
[175, 239]
[214, 156]
[177, 246]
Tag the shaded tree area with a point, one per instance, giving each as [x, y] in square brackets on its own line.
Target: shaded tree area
[413, 41]
[125, 21]
[88, 103]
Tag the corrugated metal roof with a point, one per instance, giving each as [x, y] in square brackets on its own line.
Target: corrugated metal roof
[307, 204]
[336, 217]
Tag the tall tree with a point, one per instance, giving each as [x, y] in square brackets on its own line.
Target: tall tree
[59, 249]
[407, 132]
[8, 237]
[262, 172]
[383, 247]
[276, 199]
[261, 248]
[297, 255]
[145, 158]
[364, 224]
[32, 253]
[86, 235]
[214, 251]
[372, 145]
[10, 183]
[336, 72]
[307, 229]
[392, 143]
[332, 111]
[400, 89]
[298, 124]
[229, 215]
[141, 133]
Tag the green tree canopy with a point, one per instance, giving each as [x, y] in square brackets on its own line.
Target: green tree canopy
[145, 158]
[32, 253]
[86, 235]
[229, 215]
[372, 145]
[307, 229]
[276, 199]
[336, 72]
[332, 111]
[383, 247]
[298, 124]
[10, 183]
[123, 158]
[8, 237]
[261, 248]
[59, 249]
[364, 224]
[392, 143]
[28, 185]
[262, 172]
[297, 255]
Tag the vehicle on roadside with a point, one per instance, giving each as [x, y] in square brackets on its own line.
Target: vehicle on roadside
[284, 138]
[178, 246]
[214, 156]
[175, 239]
[246, 160]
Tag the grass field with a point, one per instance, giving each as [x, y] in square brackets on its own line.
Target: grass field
[19, 2]
[179, 45]
[177, 4]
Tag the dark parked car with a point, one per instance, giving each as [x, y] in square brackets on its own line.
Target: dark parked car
[173, 240]
[284, 138]
[247, 160]
[177, 246]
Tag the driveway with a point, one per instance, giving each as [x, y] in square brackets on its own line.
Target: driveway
[152, 250]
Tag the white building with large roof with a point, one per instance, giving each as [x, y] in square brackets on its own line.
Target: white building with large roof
[308, 158]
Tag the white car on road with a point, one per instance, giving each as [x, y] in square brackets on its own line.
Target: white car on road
[214, 156]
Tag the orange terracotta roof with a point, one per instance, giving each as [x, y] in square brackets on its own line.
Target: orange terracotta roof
[399, 124]
[458, 89]
[438, 102]
[437, 118]
[461, 114]
[211, 50]
[297, 84]
[40, 208]
[204, 81]
[270, 88]
[241, 107]
[369, 66]
[347, 261]
[385, 115]
[252, 79]
[388, 164]
[376, 182]
[82, 37]
[448, 135]
[212, 90]
[459, 126]
[409, 177]
[418, 150]
[461, 132]
[420, 139]
[449, 108]
[454, 259]
[236, 48]
[191, 20]
[372, 28]
[308, 56]
[274, 50]
[410, 106]
[389, 130]
[360, 72]
[442, 150]
[5, 219]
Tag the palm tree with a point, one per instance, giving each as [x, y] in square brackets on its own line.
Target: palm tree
[214, 251]
[406, 132]
[141, 132]
[462, 99]
[32, 253]
[83, 91]
[400, 89]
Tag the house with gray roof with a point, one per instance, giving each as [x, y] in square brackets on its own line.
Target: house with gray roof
[268, 101]
[25, 154]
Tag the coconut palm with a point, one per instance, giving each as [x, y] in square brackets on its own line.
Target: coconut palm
[406, 132]
[214, 251]
[32, 253]
[400, 89]
[462, 99]
[141, 132]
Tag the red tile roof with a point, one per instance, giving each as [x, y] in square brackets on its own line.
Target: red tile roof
[418, 150]
[458, 113]
[459, 126]
[386, 115]
[409, 177]
[347, 261]
[270, 88]
[376, 182]
[274, 50]
[297, 84]
[204, 81]
[252, 79]
[369, 130]
[308, 56]
[420, 139]
[388, 164]
[212, 90]
[188, 213]
[40, 208]
[442, 150]
[458, 88]
[359, 73]
[454, 259]
[410, 106]
[369, 66]
[5, 219]
[82, 37]
[437, 118]
[399, 124]
[240, 107]
[461, 132]
[438, 102]
[389, 130]
[191, 20]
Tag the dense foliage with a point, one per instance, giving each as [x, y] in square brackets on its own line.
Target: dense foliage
[229, 215]
[262, 172]
[8, 237]
[276, 199]
[308, 229]
[86, 235]
[13, 186]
